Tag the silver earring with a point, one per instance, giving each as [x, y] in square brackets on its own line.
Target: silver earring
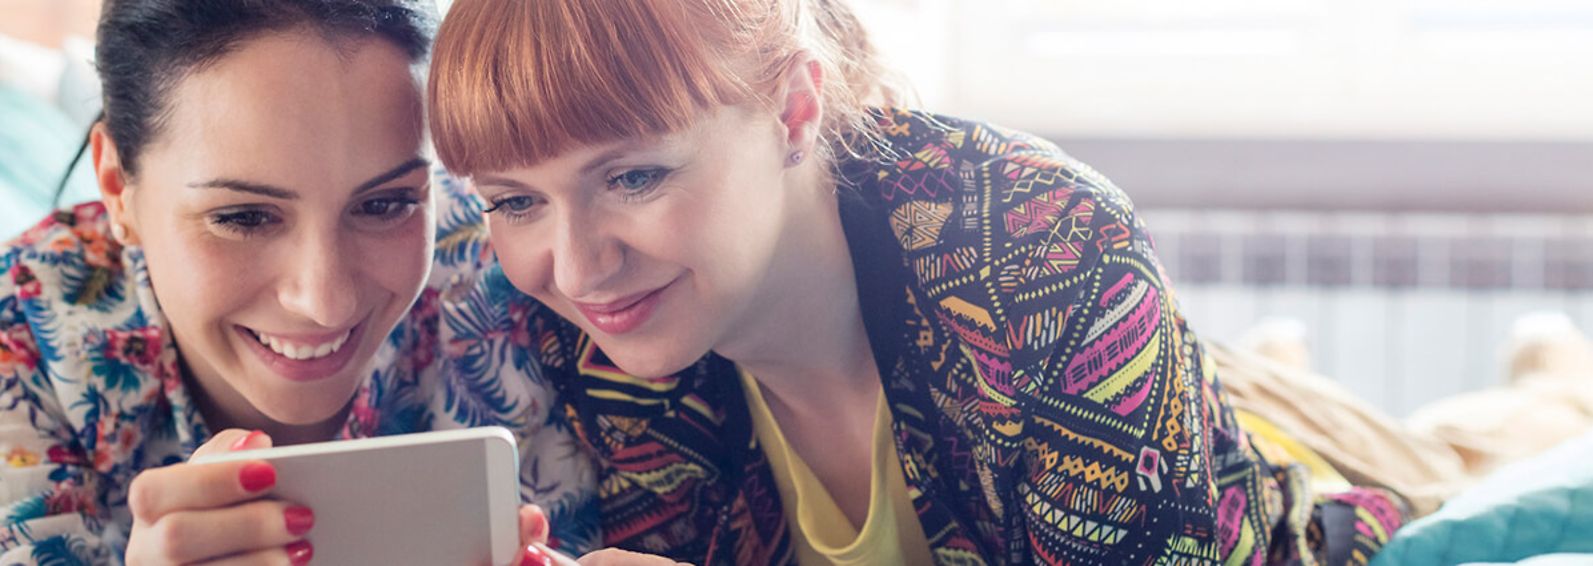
[119, 232]
[795, 158]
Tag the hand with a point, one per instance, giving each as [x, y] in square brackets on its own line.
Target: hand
[534, 536]
[216, 513]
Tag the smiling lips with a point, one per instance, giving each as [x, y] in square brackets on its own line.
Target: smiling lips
[303, 358]
[624, 315]
[294, 351]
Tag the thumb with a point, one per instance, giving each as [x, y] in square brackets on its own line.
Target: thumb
[533, 525]
[234, 439]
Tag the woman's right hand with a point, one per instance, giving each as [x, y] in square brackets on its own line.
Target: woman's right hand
[216, 513]
[534, 536]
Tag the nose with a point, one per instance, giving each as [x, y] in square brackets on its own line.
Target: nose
[320, 284]
[585, 258]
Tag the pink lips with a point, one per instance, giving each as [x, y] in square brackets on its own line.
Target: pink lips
[623, 315]
[304, 370]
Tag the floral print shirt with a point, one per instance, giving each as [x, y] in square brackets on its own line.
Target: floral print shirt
[91, 392]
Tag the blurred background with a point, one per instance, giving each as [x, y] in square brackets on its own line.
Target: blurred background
[1392, 183]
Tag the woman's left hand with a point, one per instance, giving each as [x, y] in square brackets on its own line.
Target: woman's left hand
[534, 540]
[534, 536]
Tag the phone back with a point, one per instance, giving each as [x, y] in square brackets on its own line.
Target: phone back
[425, 499]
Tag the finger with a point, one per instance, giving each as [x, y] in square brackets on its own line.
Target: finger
[617, 557]
[255, 440]
[182, 487]
[538, 554]
[533, 525]
[232, 440]
[221, 441]
[294, 554]
[192, 536]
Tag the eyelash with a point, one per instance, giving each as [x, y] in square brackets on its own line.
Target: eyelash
[244, 222]
[405, 203]
[655, 175]
[251, 222]
[518, 207]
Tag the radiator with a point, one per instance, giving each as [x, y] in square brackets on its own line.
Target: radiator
[1401, 308]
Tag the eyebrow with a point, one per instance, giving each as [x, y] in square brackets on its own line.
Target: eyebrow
[591, 165]
[613, 153]
[285, 194]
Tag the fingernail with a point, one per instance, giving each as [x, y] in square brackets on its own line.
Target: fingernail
[533, 556]
[539, 529]
[299, 520]
[300, 552]
[257, 476]
[247, 438]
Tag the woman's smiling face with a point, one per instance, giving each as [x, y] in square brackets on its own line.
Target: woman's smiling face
[284, 212]
[657, 247]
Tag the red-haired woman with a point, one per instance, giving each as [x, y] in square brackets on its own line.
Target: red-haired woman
[797, 324]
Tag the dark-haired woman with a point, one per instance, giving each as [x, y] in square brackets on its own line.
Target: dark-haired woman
[266, 266]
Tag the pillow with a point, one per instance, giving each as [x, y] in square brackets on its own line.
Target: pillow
[1536, 507]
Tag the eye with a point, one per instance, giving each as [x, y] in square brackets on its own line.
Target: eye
[387, 207]
[515, 207]
[244, 222]
[637, 183]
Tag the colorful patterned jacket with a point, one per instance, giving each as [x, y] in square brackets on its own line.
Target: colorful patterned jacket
[91, 394]
[1050, 404]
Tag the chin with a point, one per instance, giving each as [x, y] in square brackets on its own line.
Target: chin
[646, 362]
[309, 405]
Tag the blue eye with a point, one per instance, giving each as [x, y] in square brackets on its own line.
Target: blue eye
[512, 205]
[637, 182]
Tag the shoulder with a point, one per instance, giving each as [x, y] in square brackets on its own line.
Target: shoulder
[83, 339]
[462, 249]
[65, 271]
[1001, 230]
[947, 183]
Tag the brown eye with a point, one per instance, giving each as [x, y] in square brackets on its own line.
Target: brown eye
[245, 222]
[386, 207]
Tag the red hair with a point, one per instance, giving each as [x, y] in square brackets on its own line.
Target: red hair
[514, 82]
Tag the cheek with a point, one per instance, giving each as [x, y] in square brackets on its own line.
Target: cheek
[212, 279]
[523, 254]
[398, 260]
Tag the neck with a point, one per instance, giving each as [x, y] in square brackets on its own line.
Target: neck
[224, 409]
[805, 344]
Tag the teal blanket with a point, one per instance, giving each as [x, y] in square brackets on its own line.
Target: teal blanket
[1539, 511]
[36, 142]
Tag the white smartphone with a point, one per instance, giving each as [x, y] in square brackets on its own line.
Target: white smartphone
[447, 497]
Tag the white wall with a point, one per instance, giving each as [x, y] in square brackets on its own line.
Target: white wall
[1495, 70]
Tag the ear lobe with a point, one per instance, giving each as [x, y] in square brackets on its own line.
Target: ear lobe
[801, 112]
[115, 192]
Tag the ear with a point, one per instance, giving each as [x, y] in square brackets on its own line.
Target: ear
[115, 192]
[801, 111]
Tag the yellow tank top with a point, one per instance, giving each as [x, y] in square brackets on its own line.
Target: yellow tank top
[820, 532]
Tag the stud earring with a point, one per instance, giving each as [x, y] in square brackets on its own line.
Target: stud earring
[795, 158]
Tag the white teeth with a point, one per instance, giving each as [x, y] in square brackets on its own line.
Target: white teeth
[303, 352]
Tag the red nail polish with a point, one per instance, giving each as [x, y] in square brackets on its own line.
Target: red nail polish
[539, 529]
[247, 438]
[299, 520]
[534, 556]
[300, 552]
[257, 476]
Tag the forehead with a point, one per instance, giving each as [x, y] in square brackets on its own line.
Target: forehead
[723, 132]
[297, 98]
